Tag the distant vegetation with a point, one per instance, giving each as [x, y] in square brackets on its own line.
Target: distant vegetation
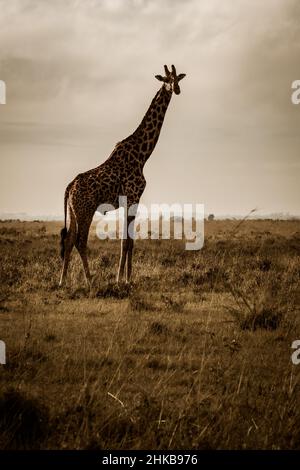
[194, 354]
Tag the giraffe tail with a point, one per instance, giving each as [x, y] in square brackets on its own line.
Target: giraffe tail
[64, 231]
[63, 236]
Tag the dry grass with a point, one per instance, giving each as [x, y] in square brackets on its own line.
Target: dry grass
[194, 354]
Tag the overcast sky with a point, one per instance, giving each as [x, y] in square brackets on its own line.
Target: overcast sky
[80, 76]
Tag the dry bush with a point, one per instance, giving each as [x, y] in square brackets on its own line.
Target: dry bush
[23, 421]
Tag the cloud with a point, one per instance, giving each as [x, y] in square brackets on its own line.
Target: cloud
[82, 73]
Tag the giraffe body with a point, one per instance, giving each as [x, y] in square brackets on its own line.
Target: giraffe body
[120, 175]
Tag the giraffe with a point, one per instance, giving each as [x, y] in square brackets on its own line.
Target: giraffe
[120, 175]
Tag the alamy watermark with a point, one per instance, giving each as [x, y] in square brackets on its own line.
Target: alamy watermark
[296, 94]
[2, 353]
[2, 92]
[160, 221]
[295, 357]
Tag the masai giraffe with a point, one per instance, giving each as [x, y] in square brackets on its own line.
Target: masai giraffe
[120, 175]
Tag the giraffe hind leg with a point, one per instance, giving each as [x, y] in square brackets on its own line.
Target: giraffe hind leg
[81, 245]
[68, 244]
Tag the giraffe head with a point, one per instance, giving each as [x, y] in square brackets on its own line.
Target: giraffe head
[171, 79]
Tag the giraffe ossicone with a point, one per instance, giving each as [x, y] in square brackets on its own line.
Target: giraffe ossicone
[121, 174]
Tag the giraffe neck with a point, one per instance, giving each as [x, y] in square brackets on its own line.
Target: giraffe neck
[147, 133]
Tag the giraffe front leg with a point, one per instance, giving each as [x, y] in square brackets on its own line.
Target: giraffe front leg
[129, 259]
[126, 250]
[123, 255]
[130, 224]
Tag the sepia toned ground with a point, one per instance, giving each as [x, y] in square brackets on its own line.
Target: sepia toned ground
[194, 354]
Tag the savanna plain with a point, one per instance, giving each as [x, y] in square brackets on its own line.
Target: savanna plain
[194, 353]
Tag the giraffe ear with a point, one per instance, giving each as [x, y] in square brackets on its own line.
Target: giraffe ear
[180, 76]
[160, 78]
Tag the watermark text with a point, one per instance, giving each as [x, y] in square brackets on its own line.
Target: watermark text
[296, 94]
[2, 353]
[2, 92]
[296, 354]
[160, 221]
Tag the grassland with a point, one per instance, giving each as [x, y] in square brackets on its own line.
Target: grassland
[195, 353]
